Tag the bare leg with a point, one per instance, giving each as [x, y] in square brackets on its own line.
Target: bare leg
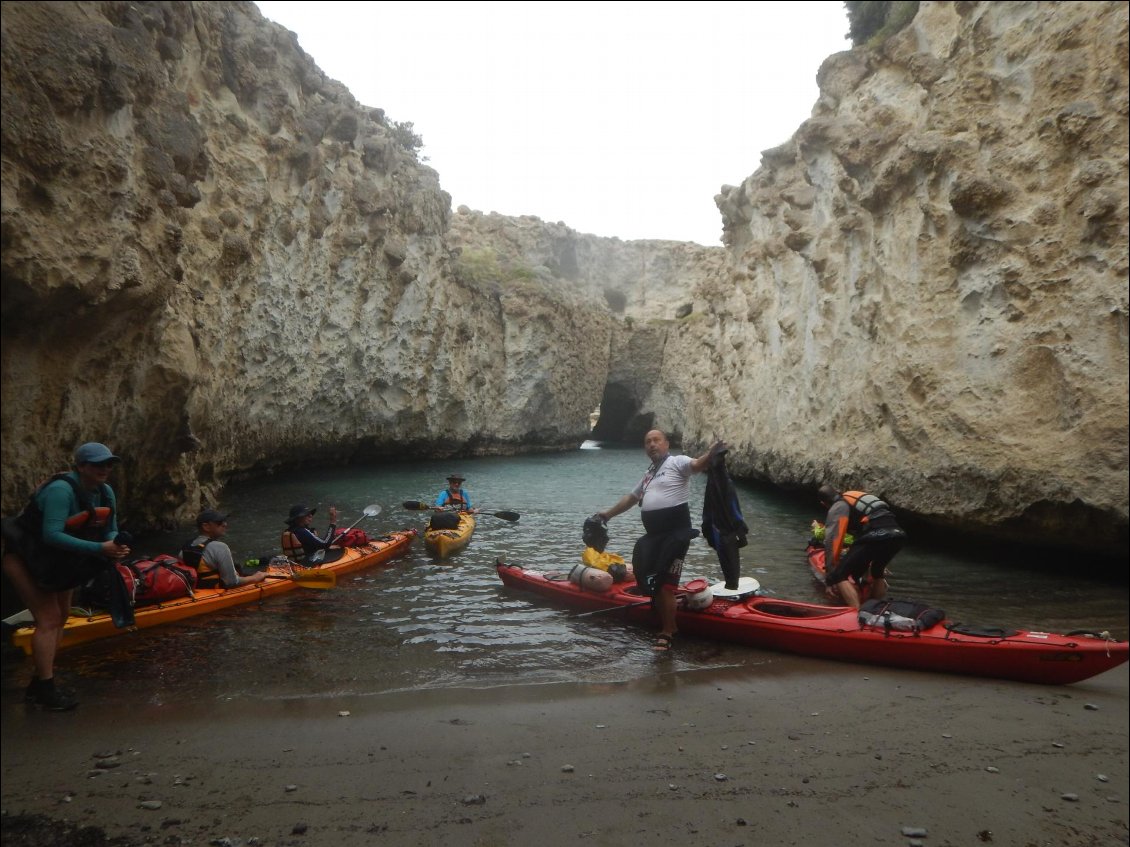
[879, 588]
[62, 611]
[849, 592]
[667, 605]
[48, 608]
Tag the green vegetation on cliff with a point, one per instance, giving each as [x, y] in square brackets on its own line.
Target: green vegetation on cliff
[873, 21]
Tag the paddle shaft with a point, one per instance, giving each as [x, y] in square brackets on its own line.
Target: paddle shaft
[613, 609]
[679, 599]
[370, 512]
[420, 506]
[341, 534]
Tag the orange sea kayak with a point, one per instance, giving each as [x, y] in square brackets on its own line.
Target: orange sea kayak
[80, 629]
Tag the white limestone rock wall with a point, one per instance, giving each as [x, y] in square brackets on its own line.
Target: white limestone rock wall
[217, 261]
[633, 293]
[640, 280]
[927, 294]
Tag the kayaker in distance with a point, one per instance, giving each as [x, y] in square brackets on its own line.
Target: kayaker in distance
[455, 496]
[299, 539]
[878, 538]
[212, 557]
[65, 536]
[664, 496]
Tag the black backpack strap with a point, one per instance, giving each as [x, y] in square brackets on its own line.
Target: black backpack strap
[191, 553]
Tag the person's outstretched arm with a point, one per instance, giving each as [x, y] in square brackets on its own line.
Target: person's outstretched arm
[622, 505]
[702, 462]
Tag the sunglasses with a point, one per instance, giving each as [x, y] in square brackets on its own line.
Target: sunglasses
[109, 463]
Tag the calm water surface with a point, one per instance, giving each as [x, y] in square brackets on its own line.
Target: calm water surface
[416, 623]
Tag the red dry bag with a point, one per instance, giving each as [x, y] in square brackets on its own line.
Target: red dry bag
[158, 579]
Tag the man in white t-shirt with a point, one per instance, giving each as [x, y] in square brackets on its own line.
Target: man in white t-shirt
[664, 496]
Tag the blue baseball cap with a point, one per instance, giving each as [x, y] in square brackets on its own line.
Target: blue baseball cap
[93, 453]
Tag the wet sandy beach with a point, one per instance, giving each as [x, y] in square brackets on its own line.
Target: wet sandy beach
[797, 751]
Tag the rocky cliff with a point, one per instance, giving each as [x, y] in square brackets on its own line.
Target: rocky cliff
[927, 292]
[217, 261]
[644, 287]
[925, 289]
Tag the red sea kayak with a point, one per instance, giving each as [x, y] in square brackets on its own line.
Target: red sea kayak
[80, 629]
[834, 632]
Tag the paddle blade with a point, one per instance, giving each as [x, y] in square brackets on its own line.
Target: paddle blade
[507, 516]
[416, 506]
[312, 578]
[316, 579]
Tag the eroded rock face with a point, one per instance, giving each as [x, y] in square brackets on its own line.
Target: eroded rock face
[928, 287]
[216, 260]
[635, 291]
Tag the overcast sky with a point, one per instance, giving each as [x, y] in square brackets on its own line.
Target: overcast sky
[618, 119]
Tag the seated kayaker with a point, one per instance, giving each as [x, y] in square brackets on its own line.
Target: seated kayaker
[455, 496]
[212, 557]
[299, 539]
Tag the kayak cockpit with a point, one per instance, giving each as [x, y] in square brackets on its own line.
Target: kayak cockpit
[786, 609]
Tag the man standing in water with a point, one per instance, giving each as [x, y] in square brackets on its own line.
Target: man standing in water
[664, 496]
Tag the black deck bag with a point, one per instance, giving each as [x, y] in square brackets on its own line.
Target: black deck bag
[444, 520]
[898, 615]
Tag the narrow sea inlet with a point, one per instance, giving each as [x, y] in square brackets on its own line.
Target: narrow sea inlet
[421, 624]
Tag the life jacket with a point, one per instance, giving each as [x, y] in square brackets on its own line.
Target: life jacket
[89, 524]
[53, 568]
[192, 554]
[456, 498]
[864, 507]
[291, 546]
[599, 559]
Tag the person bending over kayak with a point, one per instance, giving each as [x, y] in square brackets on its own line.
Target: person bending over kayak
[455, 496]
[664, 496]
[299, 539]
[65, 536]
[212, 557]
[878, 538]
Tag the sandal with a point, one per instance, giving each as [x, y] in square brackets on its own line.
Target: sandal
[664, 643]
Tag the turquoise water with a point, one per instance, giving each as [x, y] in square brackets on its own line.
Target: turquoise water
[416, 623]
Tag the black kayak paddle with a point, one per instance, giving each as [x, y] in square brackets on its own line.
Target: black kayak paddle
[420, 506]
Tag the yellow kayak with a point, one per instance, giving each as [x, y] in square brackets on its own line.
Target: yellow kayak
[81, 628]
[444, 542]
